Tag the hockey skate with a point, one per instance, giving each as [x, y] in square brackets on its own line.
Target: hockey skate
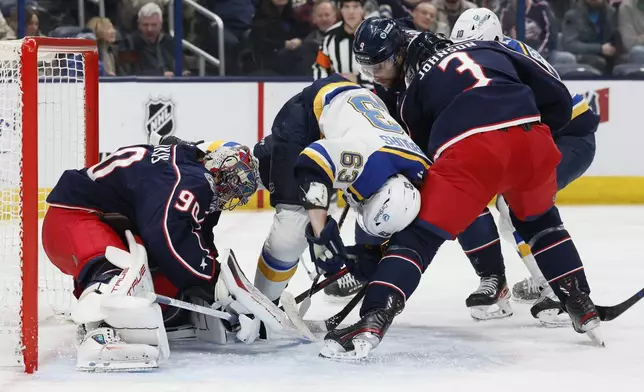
[344, 288]
[527, 291]
[356, 341]
[548, 310]
[104, 350]
[491, 300]
[582, 311]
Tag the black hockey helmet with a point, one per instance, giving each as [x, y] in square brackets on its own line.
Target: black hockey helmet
[421, 48]
[377, 40]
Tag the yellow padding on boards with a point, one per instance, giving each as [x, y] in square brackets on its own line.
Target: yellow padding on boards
[588, 190]
[275, 275]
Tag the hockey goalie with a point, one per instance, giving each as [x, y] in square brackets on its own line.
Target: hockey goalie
[142, 221]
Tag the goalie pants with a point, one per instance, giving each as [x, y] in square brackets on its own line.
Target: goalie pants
[74, 240]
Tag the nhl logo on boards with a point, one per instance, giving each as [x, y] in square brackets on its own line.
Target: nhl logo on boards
[159, 117]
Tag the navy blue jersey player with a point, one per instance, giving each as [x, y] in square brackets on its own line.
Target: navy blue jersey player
[576, 142]
[484, 115]
[170, 197]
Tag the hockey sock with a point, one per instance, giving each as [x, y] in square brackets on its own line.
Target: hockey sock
[554, 250]
[273, 274]
[482, 245]
[400, 269]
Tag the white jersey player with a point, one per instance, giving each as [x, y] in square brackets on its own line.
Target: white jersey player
[368, 155]
[336, 135]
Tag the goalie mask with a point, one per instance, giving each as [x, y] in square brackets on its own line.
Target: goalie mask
[236, 174]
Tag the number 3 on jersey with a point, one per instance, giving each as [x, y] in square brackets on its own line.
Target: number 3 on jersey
[374, 112]
[467, 64]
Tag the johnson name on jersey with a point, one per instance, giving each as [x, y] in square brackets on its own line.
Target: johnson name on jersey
[165, 192]
[476, 87]
[362, 144]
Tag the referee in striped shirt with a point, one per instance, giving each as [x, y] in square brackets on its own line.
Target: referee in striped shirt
[335, 54]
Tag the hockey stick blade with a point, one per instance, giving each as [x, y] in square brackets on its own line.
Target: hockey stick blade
[335, 320]
[608, 313]
[290, 308]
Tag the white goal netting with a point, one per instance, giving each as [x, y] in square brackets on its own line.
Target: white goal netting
[61, 145]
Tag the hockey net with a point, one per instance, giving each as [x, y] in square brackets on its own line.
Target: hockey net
[48, 123]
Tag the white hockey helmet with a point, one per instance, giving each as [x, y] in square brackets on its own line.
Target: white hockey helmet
[480, 24]
[392, 208]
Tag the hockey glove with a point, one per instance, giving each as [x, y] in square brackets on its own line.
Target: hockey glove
[327, 250]
[362, 260]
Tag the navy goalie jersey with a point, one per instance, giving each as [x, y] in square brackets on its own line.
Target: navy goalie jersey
[476, 87]
[165, 192]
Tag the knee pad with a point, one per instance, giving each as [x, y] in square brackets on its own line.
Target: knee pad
[529, 230]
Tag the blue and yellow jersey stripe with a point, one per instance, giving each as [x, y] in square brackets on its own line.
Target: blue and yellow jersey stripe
[327, 93]
[409, 155]
[579, 106]
[318, 155]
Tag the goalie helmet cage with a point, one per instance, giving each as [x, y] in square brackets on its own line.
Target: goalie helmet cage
[48, 123]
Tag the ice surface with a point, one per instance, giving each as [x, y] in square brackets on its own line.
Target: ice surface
[433, 346]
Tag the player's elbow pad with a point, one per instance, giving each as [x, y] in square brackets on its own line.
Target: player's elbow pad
[315, 195]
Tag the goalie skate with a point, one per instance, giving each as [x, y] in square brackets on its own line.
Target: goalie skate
[104, 351]
[491, 300]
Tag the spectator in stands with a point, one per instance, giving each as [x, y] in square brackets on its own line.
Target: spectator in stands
[631, 28]
[237, 16]
[130, 9]
[425, 18]
[6, 32]
[335, 54]
[105, 39]
[450, 10]
[277, 39]
[32, 22]
[148, 51]
[324, 16]
[590, 33]
[540, 29]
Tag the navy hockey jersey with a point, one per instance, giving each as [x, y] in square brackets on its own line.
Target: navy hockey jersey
[165, 192]
[582, 120]
[476, 87]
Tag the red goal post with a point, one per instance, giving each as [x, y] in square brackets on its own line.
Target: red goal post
[48, 123]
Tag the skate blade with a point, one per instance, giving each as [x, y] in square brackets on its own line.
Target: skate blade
[554, 318]
[108, 367]
[499, 310]
[596, 337]
[332, 350]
